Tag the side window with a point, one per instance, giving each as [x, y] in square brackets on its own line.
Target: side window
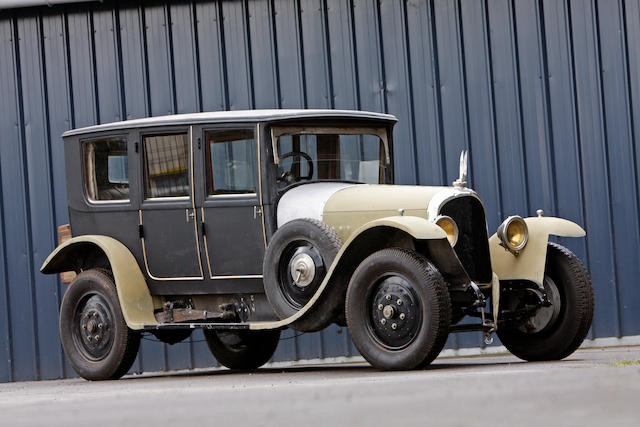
[166, 165]
[232, 164]
[106, 169]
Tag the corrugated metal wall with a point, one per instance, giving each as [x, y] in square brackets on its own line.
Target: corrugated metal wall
[544, 93]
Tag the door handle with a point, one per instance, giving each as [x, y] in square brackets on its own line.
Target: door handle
[189, 216]
[257, 210]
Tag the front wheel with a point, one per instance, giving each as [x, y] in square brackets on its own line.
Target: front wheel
[398, 310]
[94, 334]
[242, 349]
[555, 332]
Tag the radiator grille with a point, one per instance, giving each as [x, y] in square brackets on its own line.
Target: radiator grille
[472, 247]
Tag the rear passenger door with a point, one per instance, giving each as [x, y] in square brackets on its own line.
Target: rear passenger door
[167, 216]
[233, 226]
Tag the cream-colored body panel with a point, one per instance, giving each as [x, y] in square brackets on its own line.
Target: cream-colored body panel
[530, 262]
[136, 302]
[419, 228]
[350, 208]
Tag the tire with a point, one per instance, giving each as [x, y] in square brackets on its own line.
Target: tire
[90, 309]
[379, 282]
[242, 349]
[320, 242]
[172, 336]
[569, 326]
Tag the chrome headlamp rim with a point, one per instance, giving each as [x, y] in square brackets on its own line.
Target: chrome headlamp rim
[502, 233]
[456, 231]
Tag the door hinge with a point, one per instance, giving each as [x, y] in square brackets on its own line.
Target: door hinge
[136, 146]
[203, 228]
[141, 231]
[198, 143]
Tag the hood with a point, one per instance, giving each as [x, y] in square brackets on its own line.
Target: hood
[348, 206]
[370, 197]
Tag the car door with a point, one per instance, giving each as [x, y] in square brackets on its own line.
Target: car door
[167, 217]
[232, 223]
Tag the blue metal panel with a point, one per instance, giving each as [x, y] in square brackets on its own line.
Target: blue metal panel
[425, 93]
[107, 66]
[592, 137]
[238, 61]
[544, 93]
[211, 54]
[565, 152]
[35, 117]
[8, 134]
[621, 163]
[161, 88]
[314, 54]
[368, 55]
[16, 214]
[398, 86]
[484, 171]
[290, 67]
[452, 86]
[629, 297]
[81, 65]
[133, 60]
[263, 54]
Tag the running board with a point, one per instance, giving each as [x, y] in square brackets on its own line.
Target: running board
[200, 325]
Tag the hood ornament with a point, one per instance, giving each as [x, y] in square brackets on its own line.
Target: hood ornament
[461, 182]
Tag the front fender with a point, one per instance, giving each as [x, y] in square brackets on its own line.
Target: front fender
[418, 228]
[136, 302]
[530, 263]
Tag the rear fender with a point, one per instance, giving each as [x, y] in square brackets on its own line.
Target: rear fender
[136, 302]
[529, 264]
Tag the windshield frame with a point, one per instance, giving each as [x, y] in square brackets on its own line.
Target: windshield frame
[278, 131]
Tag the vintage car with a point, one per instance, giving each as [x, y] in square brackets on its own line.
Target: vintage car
[243, 223]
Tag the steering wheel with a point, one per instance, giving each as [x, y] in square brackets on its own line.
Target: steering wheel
[289, 177]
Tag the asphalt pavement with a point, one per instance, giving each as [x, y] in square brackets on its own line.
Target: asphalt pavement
[593, 387]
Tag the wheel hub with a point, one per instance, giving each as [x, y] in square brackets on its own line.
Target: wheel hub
[545, 316]
[93, 330]
[300, 271]
[395, 313]
[303, 270]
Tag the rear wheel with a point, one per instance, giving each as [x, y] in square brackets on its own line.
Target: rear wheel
[556, 331]
[398, 310]
[242, 349]
[94, 334]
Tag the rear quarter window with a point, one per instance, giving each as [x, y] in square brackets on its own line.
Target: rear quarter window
[106, 168]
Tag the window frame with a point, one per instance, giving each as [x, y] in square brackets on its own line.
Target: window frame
[164, 131]
[85, 177]
[208, 165]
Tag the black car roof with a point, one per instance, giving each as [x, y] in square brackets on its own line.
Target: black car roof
[230, 117]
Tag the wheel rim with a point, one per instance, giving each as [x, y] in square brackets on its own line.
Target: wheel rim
[545, 316]
[300, 272]
[93, 326]
[394, 312]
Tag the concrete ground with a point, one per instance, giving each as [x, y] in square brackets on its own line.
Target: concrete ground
[592, 387]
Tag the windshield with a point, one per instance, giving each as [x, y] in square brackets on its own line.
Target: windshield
[330, 154]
